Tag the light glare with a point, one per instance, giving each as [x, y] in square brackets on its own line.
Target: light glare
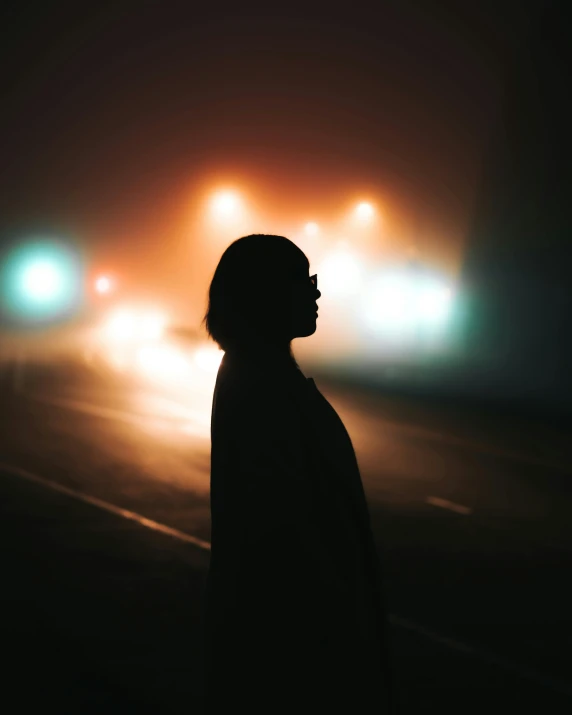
[396, 304]
[42, 280]
[103, 284]
[340, 273]
[121, 325]
[312, 228]
[225, 204]
[129, 325]
[433, 302]
[391, 300]
[152, 327]
[162, 361]
[364, 211]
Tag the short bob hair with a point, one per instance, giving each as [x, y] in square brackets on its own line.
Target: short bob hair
[241, 308]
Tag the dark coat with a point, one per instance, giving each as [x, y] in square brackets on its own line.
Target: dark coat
[294, 620]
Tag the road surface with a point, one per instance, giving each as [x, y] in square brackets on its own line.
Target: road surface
[104, 490]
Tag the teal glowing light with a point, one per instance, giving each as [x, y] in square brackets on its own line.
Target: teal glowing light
[41, 281]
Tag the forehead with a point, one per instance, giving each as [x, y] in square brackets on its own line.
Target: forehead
[301, 266]
[295, 265]
[298, 262]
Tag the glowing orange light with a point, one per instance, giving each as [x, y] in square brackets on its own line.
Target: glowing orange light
[312, 228]
[103, 284]
[225, 204]
[364, 211]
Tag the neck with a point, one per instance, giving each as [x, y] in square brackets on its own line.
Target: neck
[264, 350]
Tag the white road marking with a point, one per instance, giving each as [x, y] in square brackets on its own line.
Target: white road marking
[395, 620]
[450, 505]
[106, 506]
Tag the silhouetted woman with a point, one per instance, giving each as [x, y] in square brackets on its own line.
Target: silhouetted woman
[294, 621]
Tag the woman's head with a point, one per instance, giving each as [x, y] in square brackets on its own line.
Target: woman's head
[261, 292]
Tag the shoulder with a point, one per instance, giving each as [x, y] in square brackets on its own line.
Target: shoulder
[237, 382]
[254, 381]
[249, 394]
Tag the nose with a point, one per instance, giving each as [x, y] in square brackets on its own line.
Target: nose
[318, 294]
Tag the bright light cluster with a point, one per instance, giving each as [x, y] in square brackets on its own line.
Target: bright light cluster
[225, 205]
[377, 299]
[311, 228]
[340, 273]
[364, 211]
[103, 284]
[127, 325]
[41, 280]
[396, 303]
[162, 361]
[175, 366]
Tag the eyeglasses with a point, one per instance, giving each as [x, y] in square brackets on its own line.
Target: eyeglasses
[303, 284]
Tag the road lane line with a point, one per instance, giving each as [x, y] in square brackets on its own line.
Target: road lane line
[395, 620]
[106, 506]
[450, 505]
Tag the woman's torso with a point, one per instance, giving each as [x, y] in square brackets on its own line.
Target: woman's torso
[337, 644]
[332, 488]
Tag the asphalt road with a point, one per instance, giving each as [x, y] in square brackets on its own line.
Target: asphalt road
[106, 472]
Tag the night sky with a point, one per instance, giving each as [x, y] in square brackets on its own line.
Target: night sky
[117, 117]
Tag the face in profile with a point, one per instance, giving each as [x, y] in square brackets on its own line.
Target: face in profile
[304, 301]
[262, 292]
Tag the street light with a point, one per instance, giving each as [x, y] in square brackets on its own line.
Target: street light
[225, 205]
[364, 211]
[103, 284]
[311, 228]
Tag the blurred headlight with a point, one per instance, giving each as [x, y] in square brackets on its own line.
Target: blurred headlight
[132, 325]
[397, 303]
[340, 273]
[121, 325]
[41, 280]
[151, 327]
[161, 361]
[433, 303]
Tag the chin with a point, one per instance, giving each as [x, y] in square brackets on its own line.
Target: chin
[304, 331]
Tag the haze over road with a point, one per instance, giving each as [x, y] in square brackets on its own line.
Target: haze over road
[470, 512]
